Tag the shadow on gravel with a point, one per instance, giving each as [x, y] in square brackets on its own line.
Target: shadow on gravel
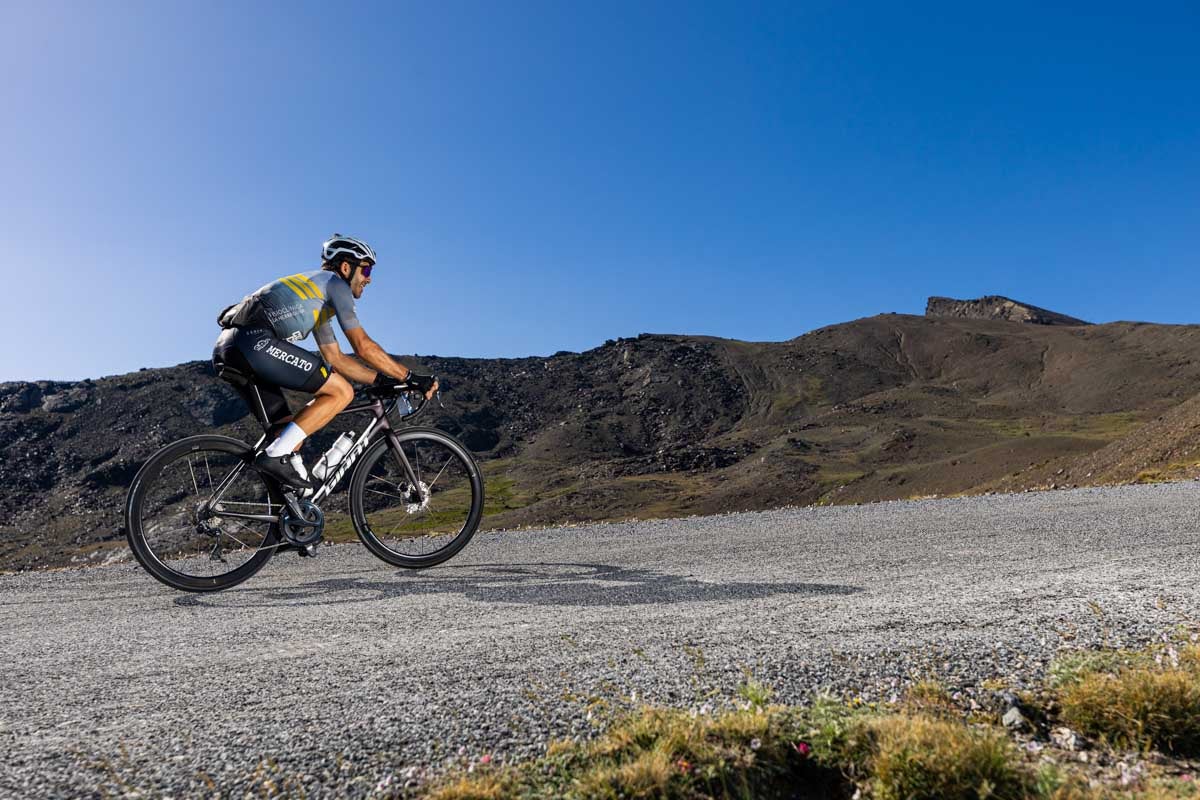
[532, 584]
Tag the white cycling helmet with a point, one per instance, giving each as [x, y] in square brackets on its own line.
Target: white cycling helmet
[338, 244]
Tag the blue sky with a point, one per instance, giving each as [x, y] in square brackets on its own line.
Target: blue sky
[544, 176]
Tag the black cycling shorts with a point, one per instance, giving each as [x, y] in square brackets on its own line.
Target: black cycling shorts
[270, 363]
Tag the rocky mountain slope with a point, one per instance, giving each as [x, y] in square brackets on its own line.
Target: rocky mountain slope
[889, 406]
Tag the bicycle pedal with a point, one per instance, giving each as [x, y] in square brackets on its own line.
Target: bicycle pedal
[308, 552]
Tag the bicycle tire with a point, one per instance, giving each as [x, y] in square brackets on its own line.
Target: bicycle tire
[358, 513]
[135, 503]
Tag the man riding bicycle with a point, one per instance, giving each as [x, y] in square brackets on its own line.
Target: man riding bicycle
[258, 347]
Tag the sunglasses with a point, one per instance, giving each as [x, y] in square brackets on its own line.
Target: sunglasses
[365, 269]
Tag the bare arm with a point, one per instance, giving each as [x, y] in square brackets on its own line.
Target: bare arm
[345, 365]
[366, 349]
[369, 351]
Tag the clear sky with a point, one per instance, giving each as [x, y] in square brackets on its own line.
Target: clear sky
[544, 176]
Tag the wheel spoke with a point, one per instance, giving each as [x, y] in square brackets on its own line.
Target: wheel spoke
[381, 480]
[386, 494]
[443, 469]
[244, 546]
[427, 535]
[175, 530]
[171, 531]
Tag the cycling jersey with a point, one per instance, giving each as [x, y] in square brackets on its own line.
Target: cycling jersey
[297, 305]
[257, 351]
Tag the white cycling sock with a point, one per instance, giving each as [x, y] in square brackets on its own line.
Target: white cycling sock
[298, 465]
[287, 440]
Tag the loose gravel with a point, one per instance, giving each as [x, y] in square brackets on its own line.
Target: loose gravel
[341, 676]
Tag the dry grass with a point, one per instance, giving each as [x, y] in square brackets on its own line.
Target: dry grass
[793, 753]
[917, 757]
[920, 748]
[930, 698]
[1072, 667]
[1138, 708]
[1163, 789]
[475, 787]
[668, 753]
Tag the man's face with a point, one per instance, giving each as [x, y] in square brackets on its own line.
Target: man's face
[359, 281]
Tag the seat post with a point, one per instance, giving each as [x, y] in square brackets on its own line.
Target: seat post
[260, 410]
[247, 387]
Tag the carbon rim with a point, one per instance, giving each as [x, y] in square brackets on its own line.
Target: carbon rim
[426, 522]
[182, 535]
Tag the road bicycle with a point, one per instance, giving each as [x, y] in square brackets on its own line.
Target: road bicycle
[200, 518]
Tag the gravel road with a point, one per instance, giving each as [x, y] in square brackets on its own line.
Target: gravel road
[342, 676]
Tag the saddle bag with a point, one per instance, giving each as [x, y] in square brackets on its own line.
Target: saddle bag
[238, 314]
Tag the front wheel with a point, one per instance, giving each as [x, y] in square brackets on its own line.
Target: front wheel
[421, 515]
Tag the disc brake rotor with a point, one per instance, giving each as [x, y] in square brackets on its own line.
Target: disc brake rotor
[417, 497]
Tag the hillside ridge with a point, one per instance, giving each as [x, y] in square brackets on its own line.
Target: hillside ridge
[884, 407]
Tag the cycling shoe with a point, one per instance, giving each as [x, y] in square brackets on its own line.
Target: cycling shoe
[282, 469]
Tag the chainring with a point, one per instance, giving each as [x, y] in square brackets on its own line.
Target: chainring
[305, 530]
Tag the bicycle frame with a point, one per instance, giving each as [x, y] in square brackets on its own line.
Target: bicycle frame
[379, 423]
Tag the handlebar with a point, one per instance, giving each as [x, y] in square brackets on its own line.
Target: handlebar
[395, 396]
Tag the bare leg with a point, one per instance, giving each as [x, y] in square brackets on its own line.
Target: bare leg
[331, 398]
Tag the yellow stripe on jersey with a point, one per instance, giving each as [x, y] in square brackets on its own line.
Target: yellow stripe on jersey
[308, 286]
[307, 283]
[296, 288]
[324, 372]
[294, 280]
[288, 284]
[320, 317]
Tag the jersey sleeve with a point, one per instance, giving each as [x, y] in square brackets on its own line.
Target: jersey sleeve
[341, 300]
[323, 333]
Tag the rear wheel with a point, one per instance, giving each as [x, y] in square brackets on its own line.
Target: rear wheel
[177, 531]
[425, 519]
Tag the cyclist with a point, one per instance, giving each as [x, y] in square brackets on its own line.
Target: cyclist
[259, 346]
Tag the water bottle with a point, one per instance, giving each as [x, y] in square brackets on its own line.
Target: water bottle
[333, 456]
